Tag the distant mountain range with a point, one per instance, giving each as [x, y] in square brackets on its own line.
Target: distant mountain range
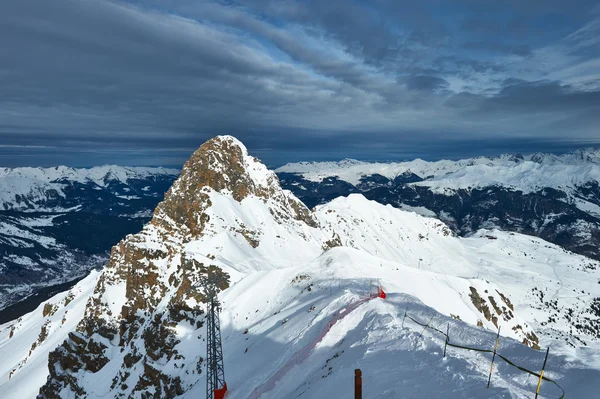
[553, 197]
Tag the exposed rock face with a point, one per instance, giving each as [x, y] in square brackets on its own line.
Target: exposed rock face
[492, 308]
[147, 291]
[224, 165]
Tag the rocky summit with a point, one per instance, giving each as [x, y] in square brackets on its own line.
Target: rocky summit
[298, 314]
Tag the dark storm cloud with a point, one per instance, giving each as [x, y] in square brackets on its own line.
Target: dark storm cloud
[95, 81]
[521, 99]
[424, 82]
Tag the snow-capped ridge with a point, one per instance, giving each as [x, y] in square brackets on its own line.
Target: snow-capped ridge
[30, 188]
[526, 173]
[96, 174]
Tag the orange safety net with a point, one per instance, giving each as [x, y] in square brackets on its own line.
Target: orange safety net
[220, 393]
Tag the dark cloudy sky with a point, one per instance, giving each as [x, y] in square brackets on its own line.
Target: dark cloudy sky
[86, 82]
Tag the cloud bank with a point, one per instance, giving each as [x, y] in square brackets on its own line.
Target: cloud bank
[84, 82]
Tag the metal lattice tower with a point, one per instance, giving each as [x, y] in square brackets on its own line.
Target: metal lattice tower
[215, 376]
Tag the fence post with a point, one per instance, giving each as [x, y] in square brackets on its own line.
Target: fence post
[493, 358]
[357, 384]
[447, 339]
[542, 374]
[404, 318]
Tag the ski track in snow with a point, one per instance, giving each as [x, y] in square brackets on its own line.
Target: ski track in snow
[303, 353]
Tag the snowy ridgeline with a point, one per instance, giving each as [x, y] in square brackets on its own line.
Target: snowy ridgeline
[97, 174]
[556, 198]
[293, 273]
[524, 173]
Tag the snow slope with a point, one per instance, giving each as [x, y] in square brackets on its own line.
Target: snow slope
[26, 342]
[397, 360]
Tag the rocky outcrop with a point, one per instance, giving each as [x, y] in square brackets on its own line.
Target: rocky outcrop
[500, 312]
[335, 241]
[49, 309]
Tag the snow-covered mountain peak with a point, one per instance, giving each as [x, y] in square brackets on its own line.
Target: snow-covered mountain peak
[226, 214]
[222, 165]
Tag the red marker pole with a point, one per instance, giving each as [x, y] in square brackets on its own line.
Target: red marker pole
[357, 384]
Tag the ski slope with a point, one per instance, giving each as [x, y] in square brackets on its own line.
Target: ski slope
[286, 359]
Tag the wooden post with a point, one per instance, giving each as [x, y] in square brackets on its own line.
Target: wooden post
[447, 339]
[404, 318]
[542, 374]
[357, 384]
[493, 358]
